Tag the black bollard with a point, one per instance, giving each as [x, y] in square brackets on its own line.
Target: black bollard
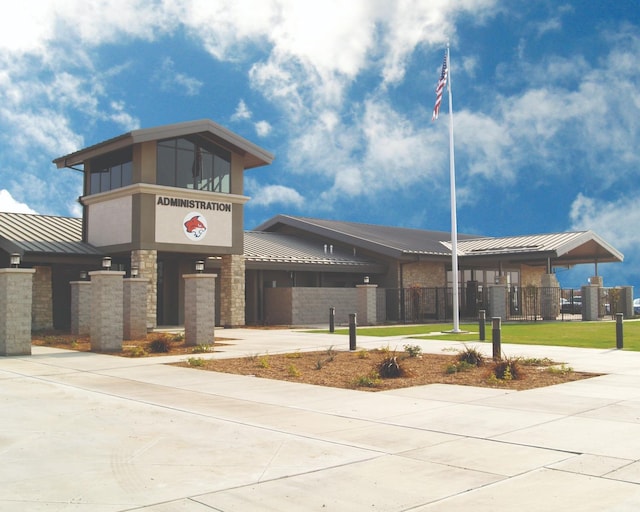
[619, 334]
[497, 348]
[332, 319]
[352, 331]
[481, 324]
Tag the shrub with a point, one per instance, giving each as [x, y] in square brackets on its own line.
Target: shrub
[460, 366]
[471, 356]
[508, 369]
[160, 345]
[263, 362]
[138, 351]
[367, 381]
[200, 349]
[390, 368]
[196, 361]
[293, 371]
[413, 350]
[363, 354]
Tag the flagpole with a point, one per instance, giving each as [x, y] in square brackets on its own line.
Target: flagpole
[454, 221]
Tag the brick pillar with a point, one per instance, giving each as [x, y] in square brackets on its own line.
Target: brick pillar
[232, 299]
[106, 310]
[147, 263]
[81, 308]
[199, 309]
[134, 309]
[590, 301]
[42, 298]
[16, 295]
[367, 307]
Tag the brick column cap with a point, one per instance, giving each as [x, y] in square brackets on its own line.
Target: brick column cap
[199, 276]
[17, 270]
[107, 273]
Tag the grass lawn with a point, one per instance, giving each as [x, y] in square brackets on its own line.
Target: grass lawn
[571, 334]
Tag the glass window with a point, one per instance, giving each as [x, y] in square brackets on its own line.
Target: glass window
[111, 171]
[194, 162]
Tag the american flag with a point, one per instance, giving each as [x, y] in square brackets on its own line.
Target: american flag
[440, 87]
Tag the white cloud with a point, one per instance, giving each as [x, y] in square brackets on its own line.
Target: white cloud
[175, 81]
[263, 128]
[242, 112]
[9, 204]
[272, 194]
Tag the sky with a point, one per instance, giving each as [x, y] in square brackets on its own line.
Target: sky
[545, 94]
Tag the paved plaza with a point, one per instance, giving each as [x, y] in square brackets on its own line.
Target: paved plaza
[99, 433]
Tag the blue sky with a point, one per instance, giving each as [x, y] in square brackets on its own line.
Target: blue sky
[546, 98]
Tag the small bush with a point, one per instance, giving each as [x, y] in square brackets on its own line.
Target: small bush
[560, 370]
[508, 369]
[363, 354]
[160, 345]
[413, 350]
[471, 356]
[390, 368]
[460, 366]
[293, 371]
[201, 349]
[138, 351]
[263, 362]
[196, 361]
[367, 381]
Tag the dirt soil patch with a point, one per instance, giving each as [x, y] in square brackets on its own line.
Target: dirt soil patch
[361, 370]
[351, 370]
[157, 344]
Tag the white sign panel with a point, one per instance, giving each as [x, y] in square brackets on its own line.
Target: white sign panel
[193, 221]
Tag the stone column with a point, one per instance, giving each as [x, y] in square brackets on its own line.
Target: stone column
[232, 299]
[367, 307]
[134, 309]
[80, 307]
[147, 263]
[16, 296]
[550, 297]
[199, 309]
[106, 310]
[590, 302]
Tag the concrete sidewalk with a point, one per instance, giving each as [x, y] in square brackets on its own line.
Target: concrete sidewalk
[91, 432]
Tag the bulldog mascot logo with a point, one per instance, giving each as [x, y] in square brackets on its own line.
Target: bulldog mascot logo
[195, 226]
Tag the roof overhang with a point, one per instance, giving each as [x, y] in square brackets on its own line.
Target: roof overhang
[253, 155]
[558, 249]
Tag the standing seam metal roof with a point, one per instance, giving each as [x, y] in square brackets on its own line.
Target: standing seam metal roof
[31, 233]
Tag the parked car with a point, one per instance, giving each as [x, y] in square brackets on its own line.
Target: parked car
[636, 306]
[572, 306]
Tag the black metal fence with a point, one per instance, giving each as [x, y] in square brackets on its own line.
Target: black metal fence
[525, 303]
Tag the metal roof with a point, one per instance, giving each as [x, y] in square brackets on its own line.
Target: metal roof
[573, 247]
[29, 233]
[278, 248]
[564, 248]
[254, 156]
[389, 240]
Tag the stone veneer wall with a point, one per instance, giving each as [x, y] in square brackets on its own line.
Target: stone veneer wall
[42, 307]
[308, 306]
[232, 285]
[147, 263]
[424, 274]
